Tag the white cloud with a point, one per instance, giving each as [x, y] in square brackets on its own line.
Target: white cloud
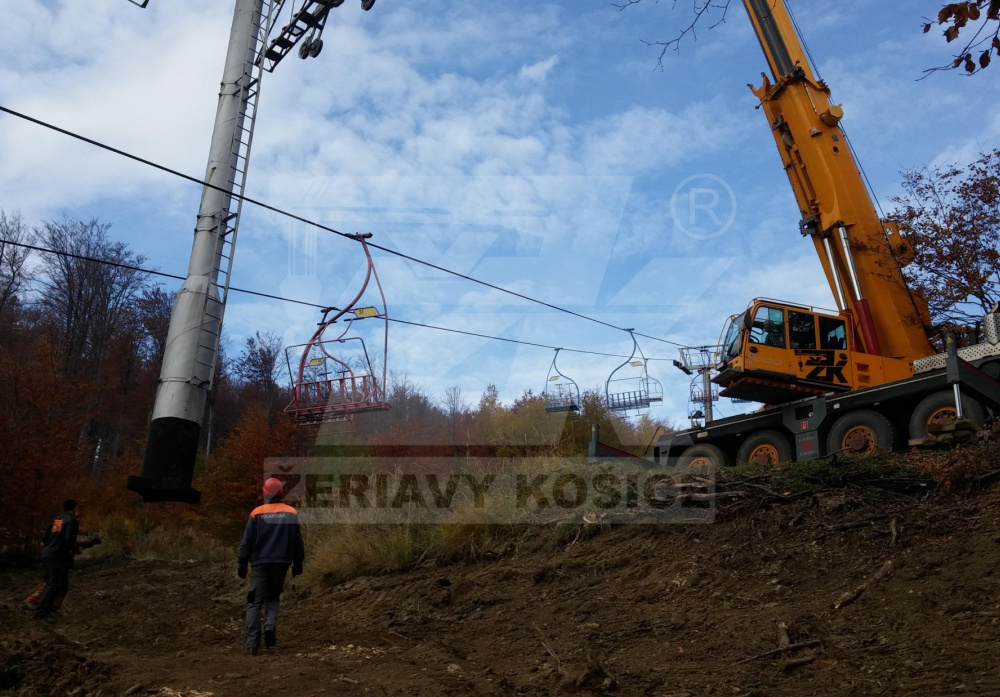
[537, 72]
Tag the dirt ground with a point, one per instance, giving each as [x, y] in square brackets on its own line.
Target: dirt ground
[635, 611]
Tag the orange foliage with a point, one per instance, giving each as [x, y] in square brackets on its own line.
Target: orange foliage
[233, 477]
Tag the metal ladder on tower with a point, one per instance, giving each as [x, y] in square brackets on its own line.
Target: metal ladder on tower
[211, 327]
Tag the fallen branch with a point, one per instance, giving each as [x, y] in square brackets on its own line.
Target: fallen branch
[850, 596]
[548, 648]
[894, 529]
[706, 498]
[793, 663]
[780, 650]
[870, 519]
[797, 519]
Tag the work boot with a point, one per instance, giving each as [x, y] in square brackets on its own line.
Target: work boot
[270, 635]
[251, 650]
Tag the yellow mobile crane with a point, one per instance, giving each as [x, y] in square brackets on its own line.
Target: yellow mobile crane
[846, 381]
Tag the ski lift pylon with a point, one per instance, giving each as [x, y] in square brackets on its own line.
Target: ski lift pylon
[632, 392]
[332, 377]
[561, 393]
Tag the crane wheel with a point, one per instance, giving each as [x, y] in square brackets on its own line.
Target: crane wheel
[939, 408]
[704, 459]
[860, 434]
[765, 448]
[992, 368]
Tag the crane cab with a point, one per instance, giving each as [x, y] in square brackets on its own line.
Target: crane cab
[776, 352]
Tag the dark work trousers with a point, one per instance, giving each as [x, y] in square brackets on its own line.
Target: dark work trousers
[56, 584]
[266, 583]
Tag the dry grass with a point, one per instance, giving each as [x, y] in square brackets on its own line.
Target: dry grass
[124, 536]
[337, 553]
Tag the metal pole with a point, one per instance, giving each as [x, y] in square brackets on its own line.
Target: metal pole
[706, 377]
[841, 300]
[849, 258]
[959, 409]
[191, 348]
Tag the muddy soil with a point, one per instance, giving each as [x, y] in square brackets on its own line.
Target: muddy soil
[638, 610]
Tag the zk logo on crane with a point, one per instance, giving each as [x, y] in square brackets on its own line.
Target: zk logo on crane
[703, 206]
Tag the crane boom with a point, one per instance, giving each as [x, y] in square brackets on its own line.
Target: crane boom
[847, 383]
[861, 255]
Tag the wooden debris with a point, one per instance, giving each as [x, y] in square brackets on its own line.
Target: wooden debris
[706, 498]
[548, 648]
[793, 663]
[783, 640]
[779, 651]
[850, 596]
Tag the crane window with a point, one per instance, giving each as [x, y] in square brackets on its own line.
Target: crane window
[732, 346]
[768, 327]
[801, 330]
[832, 334]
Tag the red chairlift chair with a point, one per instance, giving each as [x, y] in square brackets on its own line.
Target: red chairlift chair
[333, 378]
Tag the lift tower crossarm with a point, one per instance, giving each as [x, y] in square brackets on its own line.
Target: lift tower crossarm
[862, 256]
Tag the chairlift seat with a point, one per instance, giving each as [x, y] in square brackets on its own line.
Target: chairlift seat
[333, 379]
[635, 392]
[561, 394]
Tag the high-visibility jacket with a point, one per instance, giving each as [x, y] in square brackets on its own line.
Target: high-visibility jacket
[272, 536]
[60, 540]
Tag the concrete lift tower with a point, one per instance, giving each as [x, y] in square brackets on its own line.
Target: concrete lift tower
[192, 346]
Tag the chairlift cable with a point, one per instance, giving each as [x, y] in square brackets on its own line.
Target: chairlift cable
[313, 223]
[245, 291]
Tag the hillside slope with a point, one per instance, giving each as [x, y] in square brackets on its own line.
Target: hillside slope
[638, 610]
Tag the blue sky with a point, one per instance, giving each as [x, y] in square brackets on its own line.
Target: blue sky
[531, 144]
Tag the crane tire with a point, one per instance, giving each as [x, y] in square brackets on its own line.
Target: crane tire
[765, 447]
[704, 458]
[991, 368]
[860, 433]
[939, 407]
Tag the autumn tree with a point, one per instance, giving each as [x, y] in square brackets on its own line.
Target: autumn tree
[260, 364]
[154, 306]
[455, 407]
[87, 286]
[13, 257]
[951, 217]
[977, 23]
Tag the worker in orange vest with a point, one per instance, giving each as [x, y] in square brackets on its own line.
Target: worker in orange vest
[61, 545]
[272, 542]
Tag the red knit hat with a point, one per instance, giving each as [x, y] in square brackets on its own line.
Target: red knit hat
[272, 487]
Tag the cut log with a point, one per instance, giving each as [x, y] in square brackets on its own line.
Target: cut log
[850, 596]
